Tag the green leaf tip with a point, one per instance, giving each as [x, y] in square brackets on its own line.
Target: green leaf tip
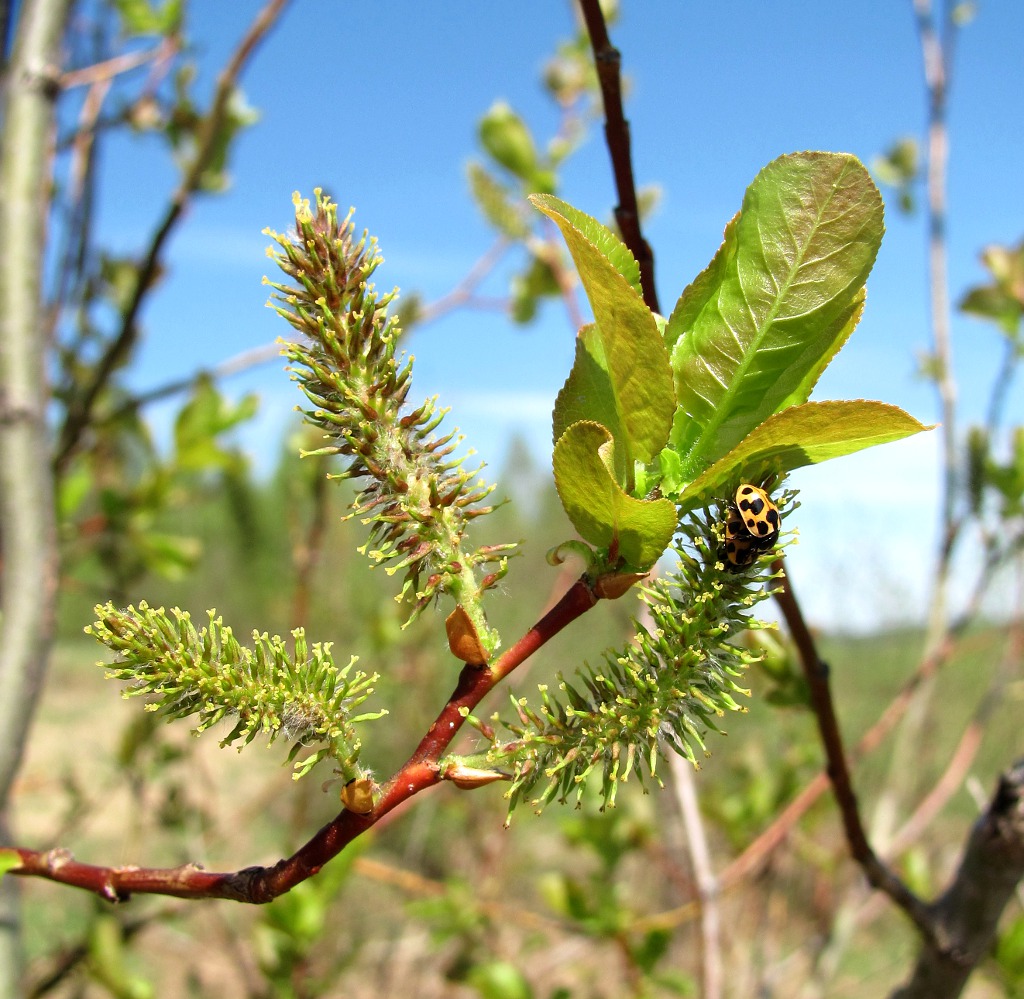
[803, 435]
[753, 332]
[621, 376]
[589, 239]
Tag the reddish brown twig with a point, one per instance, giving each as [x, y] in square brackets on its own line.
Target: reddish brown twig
[262, 884]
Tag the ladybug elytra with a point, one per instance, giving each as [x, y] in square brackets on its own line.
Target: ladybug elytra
[760, 515]
[751, 526]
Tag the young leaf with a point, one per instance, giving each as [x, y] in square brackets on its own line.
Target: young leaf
[804, 435]
[621, 376]
[625, 390]
[578, 228]
[819, 354]
[496, 205]
[599, 509]
[505, 136]
[777, 300]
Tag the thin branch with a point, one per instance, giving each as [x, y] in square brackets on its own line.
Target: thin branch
[241, 362]
[105, 71]
[263, 884]
[616, 132]
[816, 673]
[708, 886]
[967, 748]
[69, 959]
[463, 293]
[80, 409]
[1001, 387]
[937, 55]
[901, 776]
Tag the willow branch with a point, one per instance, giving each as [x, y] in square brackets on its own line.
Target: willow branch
[816, 672]
[967, 915]
[936, 58]
[236, 365]
[81, 408]
[708, 885]
[263, 884]
[616, 132]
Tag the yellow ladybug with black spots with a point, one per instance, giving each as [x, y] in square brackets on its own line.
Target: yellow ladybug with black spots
[751, 526]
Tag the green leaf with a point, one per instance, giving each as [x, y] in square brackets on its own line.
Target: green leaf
[599, 509]
[202, 420]
[804, 435]
[819, 354]
[507, 139]
[578, 228]
[499, 980]
[169, 555]
[1002, 301]
[496, 205]
[754, 330]
[138, 17]
[592, 392]
[621, 376]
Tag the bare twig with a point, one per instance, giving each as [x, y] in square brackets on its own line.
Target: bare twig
[967, 748]
[241, 362]
[105, 71]
[708, 886]
[463, 293]
[80, 409]
[616, 131]
[72, 957]
[937, 55]
[816, 672]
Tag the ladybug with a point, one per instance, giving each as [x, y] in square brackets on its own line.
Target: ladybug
[740, 548]
[751, 526]
[760, 515]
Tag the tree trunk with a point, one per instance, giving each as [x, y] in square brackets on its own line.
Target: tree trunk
[28, 577]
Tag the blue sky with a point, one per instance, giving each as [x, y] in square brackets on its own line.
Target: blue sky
[379, 103]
